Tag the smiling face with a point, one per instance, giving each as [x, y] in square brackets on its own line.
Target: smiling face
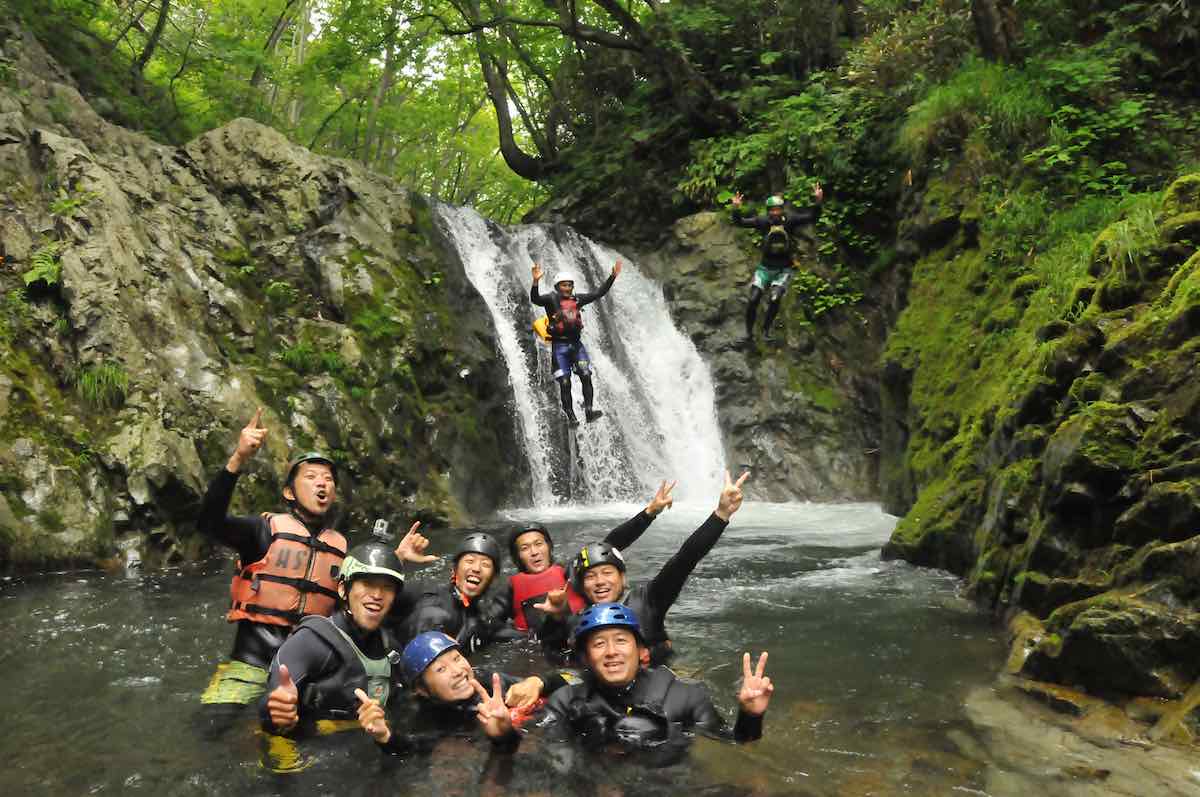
[533, 552]
[603, 583]
[565, 288]
[313, 488]
[472, 574]
[775, 214]
[614, 655]
[369, 599]
[448, 678]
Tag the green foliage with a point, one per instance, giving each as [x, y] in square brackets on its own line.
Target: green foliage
[380, 324]
[817, 296]
[46, 271]
[102, 385]
[306, 360]
[67, 205]
[281, 295]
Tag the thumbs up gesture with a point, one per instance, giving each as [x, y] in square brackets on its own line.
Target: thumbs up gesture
[371, 717]
[284, 701]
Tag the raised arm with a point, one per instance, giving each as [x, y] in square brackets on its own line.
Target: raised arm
[628, 532]
[588, 298]
[665, 587]
[535, 296]
[740, 220]
[247, 535]
[810, 214]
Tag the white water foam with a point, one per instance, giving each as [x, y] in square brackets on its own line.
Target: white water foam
[657, 393]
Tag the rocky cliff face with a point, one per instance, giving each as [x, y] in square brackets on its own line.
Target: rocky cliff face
[154, 296]
[802, 413]
[1055, 458]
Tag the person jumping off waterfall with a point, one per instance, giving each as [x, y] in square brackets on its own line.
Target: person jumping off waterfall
[780, 230]
[564, 309]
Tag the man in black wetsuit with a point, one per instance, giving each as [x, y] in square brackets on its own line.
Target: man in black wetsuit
[317, 671]
[532, 551]
[287, 563]
[622, 700]
[449, 699]
[459, 608]
[564, 308]
[780, 233]
[598, 574]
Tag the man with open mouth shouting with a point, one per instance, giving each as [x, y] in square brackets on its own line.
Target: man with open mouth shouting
[458, 608]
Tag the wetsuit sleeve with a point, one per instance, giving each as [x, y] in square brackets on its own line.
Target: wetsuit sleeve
[307, 658]
[706, 718]
[588, 298]
[628, 532]
[804, 216]
[535, 297]
[753, 222]
[249, 535]
[665, 587]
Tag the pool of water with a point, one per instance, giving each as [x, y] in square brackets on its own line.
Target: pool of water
[871, 662]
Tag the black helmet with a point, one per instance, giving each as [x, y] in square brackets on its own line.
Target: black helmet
[597, 553]
[478, 542]
[372, 559]
[517, 531]
[309, 456]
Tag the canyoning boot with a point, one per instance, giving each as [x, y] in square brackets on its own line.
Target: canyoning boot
[572, 421]
[590, 414]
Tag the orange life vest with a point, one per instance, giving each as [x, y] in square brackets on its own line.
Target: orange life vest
[529, 588]
[296, 577]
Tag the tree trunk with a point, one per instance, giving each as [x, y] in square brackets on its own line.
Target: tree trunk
[384, 86]
[852, 9]
[139, 65]
[996, 28]
[281, 24]
[300, 49]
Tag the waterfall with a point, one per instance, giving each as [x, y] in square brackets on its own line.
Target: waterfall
[657, 394]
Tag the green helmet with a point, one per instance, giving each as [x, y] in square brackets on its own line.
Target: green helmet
[310, 456]
[372, 559]
[775, 201]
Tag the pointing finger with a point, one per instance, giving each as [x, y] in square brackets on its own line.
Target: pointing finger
[496, 686]
[742, 479]
[256, 421]
[728, 480]
[479, 690]
[762, 665]
[745, 665]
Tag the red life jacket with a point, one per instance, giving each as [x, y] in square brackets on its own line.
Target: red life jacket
[296, 577]
[568, 320]
[530, 588]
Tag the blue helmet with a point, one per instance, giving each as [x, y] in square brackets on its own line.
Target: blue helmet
[605, 615]
[421, 652]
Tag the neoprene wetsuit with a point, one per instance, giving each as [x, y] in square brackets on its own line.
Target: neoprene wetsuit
[501, 606]
[566, 347]
[655, 709]
[441, 608]
[775, 269]
[325, 674]
[650, 602]
[250, 536]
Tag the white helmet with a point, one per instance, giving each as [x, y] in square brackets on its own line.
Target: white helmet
[563, 276]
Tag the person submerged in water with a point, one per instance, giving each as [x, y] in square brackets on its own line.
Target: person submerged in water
[459, 608]
[538, 575]
[286, 563]
[564, 308]
[781, 230]
[449, 699]
[597, 573]
[624, 699]
[316, 672]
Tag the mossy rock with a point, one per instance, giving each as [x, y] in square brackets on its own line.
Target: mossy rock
[1095, 447]
[931, 534]
[1117, 642]
[1023, 286]
[1184, 228]
[1182, 196]
[1168, 512]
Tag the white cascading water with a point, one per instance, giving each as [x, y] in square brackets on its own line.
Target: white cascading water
[657, 394]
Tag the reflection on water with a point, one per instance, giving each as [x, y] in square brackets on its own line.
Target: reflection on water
[870, 659]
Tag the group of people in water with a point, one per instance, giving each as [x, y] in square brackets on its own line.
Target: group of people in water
[327, 633]
[784, 235]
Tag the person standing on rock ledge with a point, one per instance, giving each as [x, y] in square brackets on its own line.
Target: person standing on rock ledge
[564, 308]
[780, 230]
[287, 564]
